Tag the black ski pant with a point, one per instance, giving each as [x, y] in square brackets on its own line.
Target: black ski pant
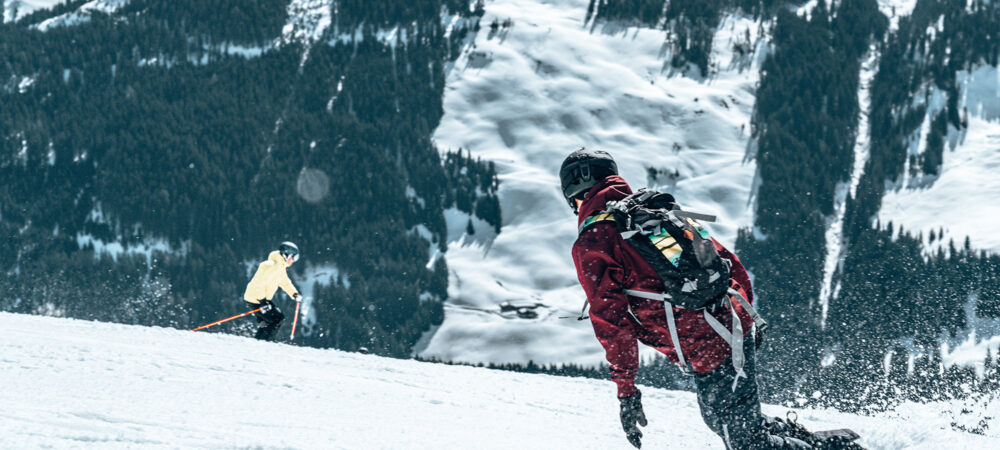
[735, 415]
[269, 319]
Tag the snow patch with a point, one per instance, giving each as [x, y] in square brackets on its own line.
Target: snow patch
[982, 336]
[115, 249]
[82, 14]
[120, 246]
[387, 36]
[400, 34]
[19, 84]
[828, 359]
[894, 9]
[433, 250]
[410, 192]
[22, 154]
[96, 215]
[245, 51]
[307, 21]
[458, 224]
[24, 84]
[322, 275]
[806, 9]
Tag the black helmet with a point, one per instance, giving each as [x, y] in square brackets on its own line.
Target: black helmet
[289, 250]
[583, 169]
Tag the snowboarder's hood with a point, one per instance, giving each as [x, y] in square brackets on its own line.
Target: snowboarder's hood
[277, 259]
[610, 188]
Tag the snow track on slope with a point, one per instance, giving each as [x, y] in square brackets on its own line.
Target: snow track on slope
[78, 384]
[862, 150]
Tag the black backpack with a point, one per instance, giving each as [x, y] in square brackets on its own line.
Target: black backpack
[677, 247]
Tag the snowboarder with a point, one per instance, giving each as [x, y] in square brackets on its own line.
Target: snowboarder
[628, 304]
[270, 275]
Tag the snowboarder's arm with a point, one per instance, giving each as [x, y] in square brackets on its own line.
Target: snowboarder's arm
[601, 276]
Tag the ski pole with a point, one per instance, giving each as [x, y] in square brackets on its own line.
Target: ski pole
[226, 320]
[296, 319]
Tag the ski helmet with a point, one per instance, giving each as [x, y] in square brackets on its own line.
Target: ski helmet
[582, 170]
[289, 250]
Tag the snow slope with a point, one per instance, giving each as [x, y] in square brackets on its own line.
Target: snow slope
[77, 384]
[524, 97]
[962, 200]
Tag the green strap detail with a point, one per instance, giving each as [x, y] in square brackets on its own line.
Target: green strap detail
[602, 216]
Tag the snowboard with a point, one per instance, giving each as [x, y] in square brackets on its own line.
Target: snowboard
[840, 439]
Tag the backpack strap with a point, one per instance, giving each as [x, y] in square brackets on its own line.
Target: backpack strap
[602, 216]
[671, 324]
[758, 322]
[734, 338]
[672, 327]
[694, 215]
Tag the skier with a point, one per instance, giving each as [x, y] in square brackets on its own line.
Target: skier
[270, 275]
[628, 304]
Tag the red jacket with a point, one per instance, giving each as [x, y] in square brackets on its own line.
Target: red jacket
[606, 265]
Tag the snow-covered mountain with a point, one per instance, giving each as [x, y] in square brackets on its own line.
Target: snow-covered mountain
[526, 95]
[14, 10]
[78, 384]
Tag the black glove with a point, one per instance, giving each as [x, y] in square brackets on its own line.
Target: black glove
[631, 414]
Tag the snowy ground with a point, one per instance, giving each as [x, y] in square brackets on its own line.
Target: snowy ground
[526, 96]
[77, 384]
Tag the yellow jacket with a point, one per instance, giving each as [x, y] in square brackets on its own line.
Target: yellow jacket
[270, 275]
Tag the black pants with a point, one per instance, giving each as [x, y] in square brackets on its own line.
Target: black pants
[735, 415]
[269, 321]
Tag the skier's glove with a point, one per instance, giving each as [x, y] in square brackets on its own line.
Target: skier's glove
[297, 297]
[632, 414]
[265, 307]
